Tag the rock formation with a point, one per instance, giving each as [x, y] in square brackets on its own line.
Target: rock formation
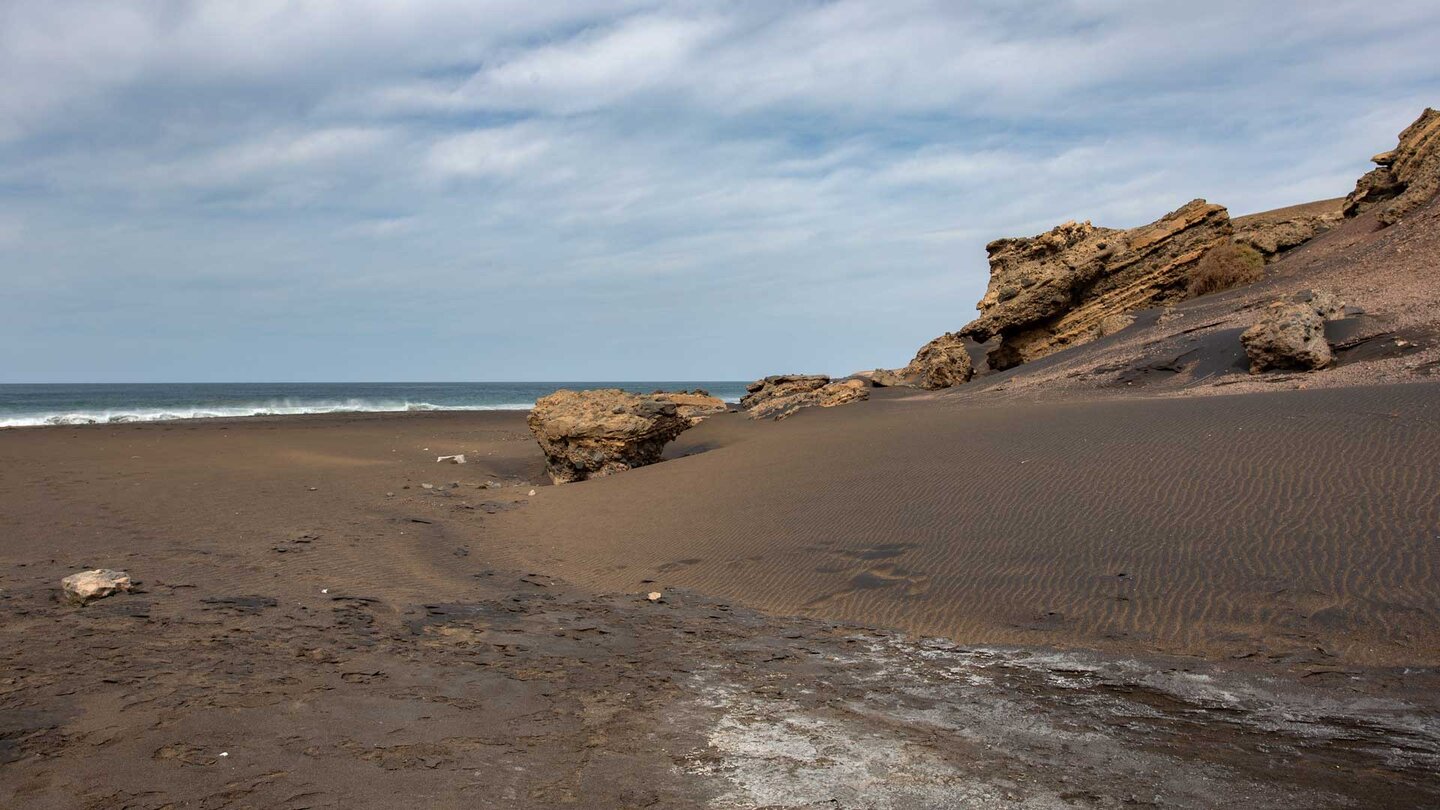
[1054, 290]
[588, 434]
[1273, 233]
[883, 378]
[693, 406]
[941, 363]
[1406, 177]
[828, 395]
[87, 586]
[780, 385]
[1291, 334]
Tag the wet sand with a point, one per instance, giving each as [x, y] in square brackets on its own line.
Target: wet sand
[315, 628]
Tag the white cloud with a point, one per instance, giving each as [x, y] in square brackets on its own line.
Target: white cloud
[493, 153]
[736, 172]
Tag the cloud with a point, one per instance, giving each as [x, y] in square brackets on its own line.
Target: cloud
[718, 188]
[495, 153]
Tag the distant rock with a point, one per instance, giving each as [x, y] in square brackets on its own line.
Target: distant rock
[693, 405]
[884, 378]
[1291, 334]
[1405, 177]
[780, 385]
[589, 434]
[1054, 290]
[941, 363]
[87, 586]
[827, 395]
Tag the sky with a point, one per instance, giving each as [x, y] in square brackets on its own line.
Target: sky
[620, 189]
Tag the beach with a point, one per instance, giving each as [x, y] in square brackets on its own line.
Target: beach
[1225, 596]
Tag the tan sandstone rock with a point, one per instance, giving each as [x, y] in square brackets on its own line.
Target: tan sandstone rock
[1406, 177]
[1273, 235]
[828, 395]
[589, 434]
[781, 385]
[941, 363]
[693, 405]
[87, 586]
[1054, 290]
[1291, 334]
[884, 378]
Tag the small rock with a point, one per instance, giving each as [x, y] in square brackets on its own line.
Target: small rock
[458, 458]
[654, 596]
[87, 586]
[427, 486]
[532, 493]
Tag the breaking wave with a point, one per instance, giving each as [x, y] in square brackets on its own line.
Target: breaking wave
[128, 415]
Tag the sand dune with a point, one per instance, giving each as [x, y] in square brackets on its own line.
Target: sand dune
[1296, 525]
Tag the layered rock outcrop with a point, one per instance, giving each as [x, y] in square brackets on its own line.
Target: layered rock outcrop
[1291, 334]
[1275, 233]
[1406, 177]
[1055, 290]
[694, 406]
[589, 434]
[781, 385]
[782, 395]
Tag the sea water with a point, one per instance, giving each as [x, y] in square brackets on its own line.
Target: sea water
[32, 405]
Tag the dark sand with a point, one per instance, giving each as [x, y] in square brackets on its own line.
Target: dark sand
[1272, 640]
[1297, 526]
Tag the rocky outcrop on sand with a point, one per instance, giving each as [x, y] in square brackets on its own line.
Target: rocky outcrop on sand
[1273, 235]
[884, 378]
[1406, 177]
[1055, 290]
[1291, 334]
[781, 385]
[87, 586]
[941, 363]
[589, 434]
[693, 406]
[780, 396]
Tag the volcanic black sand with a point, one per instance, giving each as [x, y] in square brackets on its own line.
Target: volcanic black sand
[1129, 602]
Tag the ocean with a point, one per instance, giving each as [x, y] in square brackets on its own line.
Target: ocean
[28, 405]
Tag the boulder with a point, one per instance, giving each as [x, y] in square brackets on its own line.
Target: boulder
[1405, 177]
[941, 363]
[693, 406]
[1291, 334]
[87, 586]
[1052, 291]
[780, 385]
[825, 396]
[588, 434]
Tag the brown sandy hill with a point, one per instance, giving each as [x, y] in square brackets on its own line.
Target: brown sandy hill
[1288, 525]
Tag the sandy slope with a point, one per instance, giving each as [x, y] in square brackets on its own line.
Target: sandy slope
[1294, 525]
[305, 639]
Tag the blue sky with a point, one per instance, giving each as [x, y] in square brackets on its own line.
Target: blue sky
[620, 189]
